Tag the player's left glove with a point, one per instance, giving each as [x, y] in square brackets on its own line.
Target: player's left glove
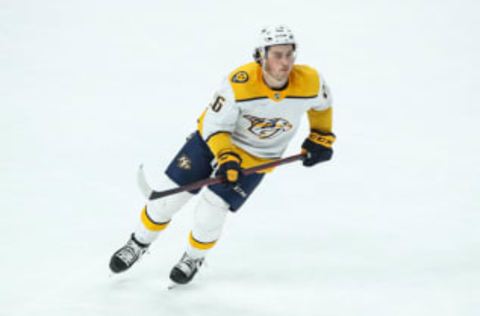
[317, 147]
[229, 168]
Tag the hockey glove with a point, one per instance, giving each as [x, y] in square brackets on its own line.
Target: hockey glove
[317, 147]
[229, 168]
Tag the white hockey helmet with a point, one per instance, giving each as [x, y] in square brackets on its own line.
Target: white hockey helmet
[271, 36]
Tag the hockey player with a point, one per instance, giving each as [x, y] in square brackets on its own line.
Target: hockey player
[250, 121]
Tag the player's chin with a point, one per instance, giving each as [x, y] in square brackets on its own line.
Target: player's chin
[283, 75]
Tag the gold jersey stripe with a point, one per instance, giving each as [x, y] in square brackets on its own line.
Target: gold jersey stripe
[250, 161]
[220, 143]
[301, 97]
[200, 122]
[150, 224]
[200, 245]
[251, 99]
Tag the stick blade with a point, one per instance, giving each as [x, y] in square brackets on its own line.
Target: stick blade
[142, 182]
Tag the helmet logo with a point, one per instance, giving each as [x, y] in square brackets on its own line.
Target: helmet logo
[271, 36]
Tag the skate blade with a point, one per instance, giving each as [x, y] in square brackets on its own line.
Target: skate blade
[173, 285]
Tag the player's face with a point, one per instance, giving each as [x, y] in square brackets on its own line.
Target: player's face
[280, 61]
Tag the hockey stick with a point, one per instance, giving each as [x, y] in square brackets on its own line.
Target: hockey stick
[153, 195]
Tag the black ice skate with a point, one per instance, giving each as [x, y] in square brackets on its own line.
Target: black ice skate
[184, 271]
[126, 256]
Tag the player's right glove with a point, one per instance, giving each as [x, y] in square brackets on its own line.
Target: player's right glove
[317, 147]
[229, 168]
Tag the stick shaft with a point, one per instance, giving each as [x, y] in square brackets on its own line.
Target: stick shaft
[209, 181]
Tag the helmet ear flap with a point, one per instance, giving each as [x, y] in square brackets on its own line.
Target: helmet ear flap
[259, 54]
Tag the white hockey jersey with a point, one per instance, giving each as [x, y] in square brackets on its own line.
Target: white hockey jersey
[253, 120]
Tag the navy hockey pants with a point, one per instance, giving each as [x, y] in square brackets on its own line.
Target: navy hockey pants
[194, 162]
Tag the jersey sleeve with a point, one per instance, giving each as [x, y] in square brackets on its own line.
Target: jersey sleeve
[320, 114]
[323, 100]
[219, 120]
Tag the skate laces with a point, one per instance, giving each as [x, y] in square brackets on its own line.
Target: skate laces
[130, 253]
[188, 264]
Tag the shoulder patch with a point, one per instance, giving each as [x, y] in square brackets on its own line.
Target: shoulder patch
[240, 77]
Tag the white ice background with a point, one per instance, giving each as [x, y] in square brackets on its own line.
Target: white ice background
[91, 89]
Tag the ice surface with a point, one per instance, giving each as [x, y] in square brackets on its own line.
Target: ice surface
[91, 89]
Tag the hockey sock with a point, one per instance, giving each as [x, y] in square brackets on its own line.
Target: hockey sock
[210, 215]
[156, 214]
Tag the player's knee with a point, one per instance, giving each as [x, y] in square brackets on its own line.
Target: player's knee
[162, 210]
[211, 212]
[214, 200]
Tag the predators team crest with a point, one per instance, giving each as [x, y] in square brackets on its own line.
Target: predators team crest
[267, 128]
[183, 162]
[240, 77]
